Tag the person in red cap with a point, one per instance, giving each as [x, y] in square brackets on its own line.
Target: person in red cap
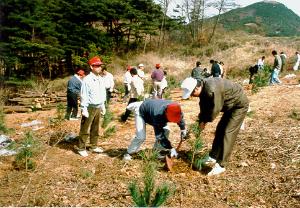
[93, 97]
[73, 93]
[157, 76]
[157, 113]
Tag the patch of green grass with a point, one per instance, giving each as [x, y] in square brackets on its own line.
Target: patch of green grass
[107, 118]
[85, 174]
[109, 132]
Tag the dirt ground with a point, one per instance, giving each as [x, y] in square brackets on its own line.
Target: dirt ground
[264, 169]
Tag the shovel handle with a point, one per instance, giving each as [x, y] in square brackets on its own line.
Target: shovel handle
[179, 144]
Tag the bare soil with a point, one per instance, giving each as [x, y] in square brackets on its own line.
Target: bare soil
[264, 170]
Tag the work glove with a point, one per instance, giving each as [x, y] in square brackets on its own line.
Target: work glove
[184, 134]
[84, 112]
[103, 109]
[173, 153]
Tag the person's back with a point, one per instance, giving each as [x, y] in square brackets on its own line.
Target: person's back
[157, 75]
[215, 69]
[137, 86]
[227, 95]
[74, 84]
[277, 62]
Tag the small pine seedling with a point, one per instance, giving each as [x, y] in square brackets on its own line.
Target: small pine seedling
[150, 196]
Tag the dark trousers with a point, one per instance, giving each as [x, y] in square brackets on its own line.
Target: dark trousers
[226, 133]
[89, 129]
[108, 96]
[72, 105]
[127, 113]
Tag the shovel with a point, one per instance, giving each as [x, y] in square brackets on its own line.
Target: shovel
[169, 161]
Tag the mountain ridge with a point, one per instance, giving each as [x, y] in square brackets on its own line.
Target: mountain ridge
[269, 18]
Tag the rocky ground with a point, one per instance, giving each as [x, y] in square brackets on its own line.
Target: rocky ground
[264, 170]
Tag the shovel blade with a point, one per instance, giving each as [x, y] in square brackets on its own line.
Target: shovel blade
[169, 163]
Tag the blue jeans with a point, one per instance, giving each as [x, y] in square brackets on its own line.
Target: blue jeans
[274, 77]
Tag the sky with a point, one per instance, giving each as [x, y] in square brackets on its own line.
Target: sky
[294, 5]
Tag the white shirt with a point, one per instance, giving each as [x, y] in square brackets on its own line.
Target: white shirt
[260, 62]
[137, 86]
[141, 73]
[164, 83]
[127, 78]
[298, 58]
[93, 91]
[109, 81]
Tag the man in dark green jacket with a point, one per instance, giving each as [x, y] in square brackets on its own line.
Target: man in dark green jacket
[219, 95]
[199, 73]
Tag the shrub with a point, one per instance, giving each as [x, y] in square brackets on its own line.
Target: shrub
[150, 196]
[28, 149]
[261, 79]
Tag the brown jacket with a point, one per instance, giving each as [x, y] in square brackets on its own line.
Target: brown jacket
[220, 95]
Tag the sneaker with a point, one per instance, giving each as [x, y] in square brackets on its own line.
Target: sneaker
[127, 157]
[216, 170]
[209, 161]
[83, 153]
[73, 119]
[97, 150]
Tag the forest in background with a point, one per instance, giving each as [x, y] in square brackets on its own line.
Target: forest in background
[49, 38]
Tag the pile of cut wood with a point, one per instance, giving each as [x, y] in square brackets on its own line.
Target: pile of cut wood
[29, 101]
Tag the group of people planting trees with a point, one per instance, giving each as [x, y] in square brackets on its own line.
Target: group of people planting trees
[279, 65]
[216, 94]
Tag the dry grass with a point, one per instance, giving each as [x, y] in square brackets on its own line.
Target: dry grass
[263, 170]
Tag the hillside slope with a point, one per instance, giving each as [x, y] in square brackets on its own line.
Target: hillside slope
[263, 171]
[267, 17]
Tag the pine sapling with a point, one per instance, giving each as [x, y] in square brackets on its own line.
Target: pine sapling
[150, 196]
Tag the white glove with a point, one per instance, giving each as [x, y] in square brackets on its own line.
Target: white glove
[183, 134]
[174, 152]
[84, 112]
[103, 109]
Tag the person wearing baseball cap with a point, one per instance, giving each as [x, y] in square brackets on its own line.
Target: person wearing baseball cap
[218, 95]
[157, 76]
[140, 71]
[73, 93]
[93, 97]
[157, 113]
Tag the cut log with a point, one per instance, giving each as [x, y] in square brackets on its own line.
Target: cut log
[16, 109]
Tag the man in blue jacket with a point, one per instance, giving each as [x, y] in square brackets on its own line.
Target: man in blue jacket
[157, 113]
[73, 93]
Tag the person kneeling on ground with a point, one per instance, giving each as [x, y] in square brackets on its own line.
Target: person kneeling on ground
[157, 113]
[219, 95]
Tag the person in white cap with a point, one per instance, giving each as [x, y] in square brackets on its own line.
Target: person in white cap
[140, 71]
[219, 95]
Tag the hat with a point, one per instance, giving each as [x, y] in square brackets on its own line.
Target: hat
[80, 72]
[95, 61]
[141, 65]
[173, 112]
[188, 85]
[157, 65]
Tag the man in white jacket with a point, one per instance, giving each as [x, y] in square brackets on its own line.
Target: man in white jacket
[297, 63]
[136, 91]
[108, 82]
[93, 96]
